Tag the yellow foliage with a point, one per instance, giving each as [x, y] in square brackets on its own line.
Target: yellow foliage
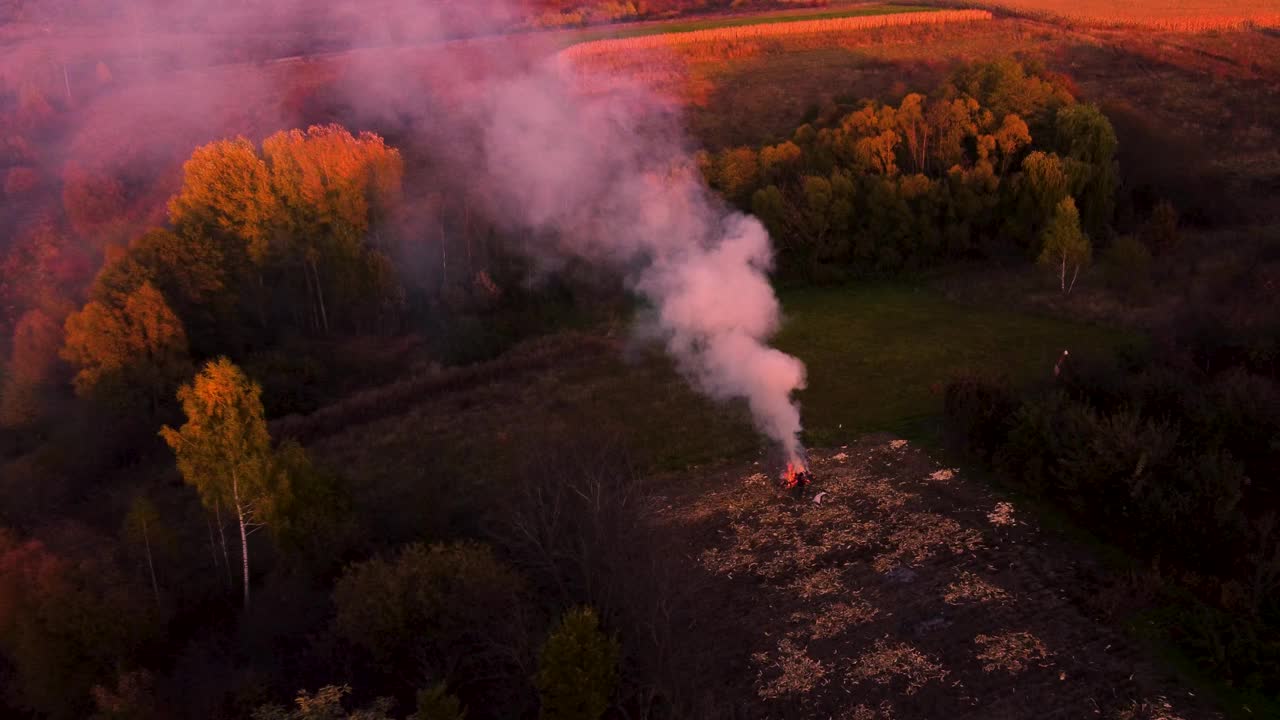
[139, 343]
[227, 187]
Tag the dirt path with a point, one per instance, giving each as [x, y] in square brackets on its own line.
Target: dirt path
[911, 592]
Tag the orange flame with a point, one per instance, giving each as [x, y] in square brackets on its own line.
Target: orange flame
[795, 474]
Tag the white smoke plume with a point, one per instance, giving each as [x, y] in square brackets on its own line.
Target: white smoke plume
[608, 177]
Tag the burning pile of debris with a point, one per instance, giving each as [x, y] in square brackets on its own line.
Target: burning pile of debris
[796, 477]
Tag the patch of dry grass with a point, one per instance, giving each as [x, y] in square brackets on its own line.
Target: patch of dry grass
[1012, 652]
[837, 618]
[970, 588]
[789, 671]
[890, 663]
[925, 535]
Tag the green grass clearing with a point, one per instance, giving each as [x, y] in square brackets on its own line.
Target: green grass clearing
[876, 354]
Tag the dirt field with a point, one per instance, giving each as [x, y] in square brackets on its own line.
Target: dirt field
[910, 591]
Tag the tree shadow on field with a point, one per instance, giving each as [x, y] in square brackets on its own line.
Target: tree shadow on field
[763, 99]
[1193, 127]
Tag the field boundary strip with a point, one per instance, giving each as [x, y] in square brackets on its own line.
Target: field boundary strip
[775, 29]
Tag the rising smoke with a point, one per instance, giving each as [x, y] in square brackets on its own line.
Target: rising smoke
[607, 177]
[601, 176]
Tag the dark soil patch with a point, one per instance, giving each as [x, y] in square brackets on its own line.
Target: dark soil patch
[909, 591]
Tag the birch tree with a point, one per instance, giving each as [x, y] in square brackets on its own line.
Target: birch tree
[142, 526]
[1065, 247]
[224, 450]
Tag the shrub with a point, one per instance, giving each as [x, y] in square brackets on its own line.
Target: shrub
[578, 669]
[1161, 231]
[437, 703]
[1031, 447]
[977, 412]
[1127, 265]
[443, 608]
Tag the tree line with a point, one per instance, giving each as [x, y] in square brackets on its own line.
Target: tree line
[999, 160]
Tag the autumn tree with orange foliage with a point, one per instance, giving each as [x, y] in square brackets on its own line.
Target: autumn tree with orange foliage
[308, 213]
[132, 349]
[226, 191]
[335, 189]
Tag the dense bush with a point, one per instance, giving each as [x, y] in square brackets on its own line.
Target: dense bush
[447, 612]
[1127, 266]
[1174, 464]
[978, 409]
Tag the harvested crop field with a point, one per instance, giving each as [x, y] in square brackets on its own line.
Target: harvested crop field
[909, 591]
[1180, 15]
[756, 31]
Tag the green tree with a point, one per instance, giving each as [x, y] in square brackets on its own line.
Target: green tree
[1161, 230]
[879, 153]
[1086, 138]
[224, 449]
[132, 698]
[915, 130]
[578, 669]
[66, 623]
[779, 162]
[437, 703]
[1038, 189]
[310, 518]
[1007, 86]
[192, 271]
[137, 348]
[445, 608]
[143, 527]
[1128, 266]
[738, 173]
[1065, 248]
[1012, 136]
[952, 122]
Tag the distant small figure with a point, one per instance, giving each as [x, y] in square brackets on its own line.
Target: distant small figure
[1057, 368]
